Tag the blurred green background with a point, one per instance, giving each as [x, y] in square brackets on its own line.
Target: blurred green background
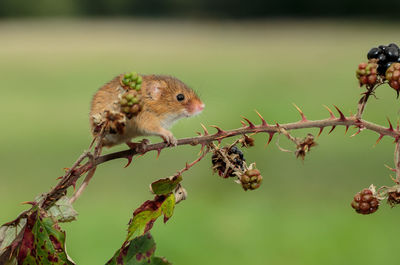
[49, 70]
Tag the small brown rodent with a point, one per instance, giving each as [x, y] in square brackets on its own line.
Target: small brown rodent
[163, 101]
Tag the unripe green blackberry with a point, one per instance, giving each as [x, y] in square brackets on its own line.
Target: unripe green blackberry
[365, 202]
[393, 76]
[367, 73]
[131, 81]
[130, 103]
[251, 179]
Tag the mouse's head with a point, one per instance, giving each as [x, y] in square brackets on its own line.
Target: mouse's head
[170, 98]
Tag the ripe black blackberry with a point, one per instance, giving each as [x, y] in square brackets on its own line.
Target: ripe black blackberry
[235, 157]
[385, 56]
[365, 202]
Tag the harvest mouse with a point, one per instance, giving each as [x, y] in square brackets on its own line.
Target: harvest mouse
[135, 105]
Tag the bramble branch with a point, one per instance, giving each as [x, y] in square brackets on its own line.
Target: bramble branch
[70, 178]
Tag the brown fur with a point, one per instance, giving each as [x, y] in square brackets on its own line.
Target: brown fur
[160, 108]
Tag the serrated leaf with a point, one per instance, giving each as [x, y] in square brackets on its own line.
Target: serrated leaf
[168, 207]
[166, 185]
[138, 251]
[145, 216]
[43, 242]
[63, 211]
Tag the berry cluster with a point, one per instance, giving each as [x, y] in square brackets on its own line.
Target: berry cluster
[367, 73]
[131, 81]
[365, 202]
[235, 161]
[251, 179]
[130, 103]
[393, 76]
[385, 56]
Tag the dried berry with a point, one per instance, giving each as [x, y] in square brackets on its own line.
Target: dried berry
[393, 198]
[365, 202]
[367, 74]
[246, 141]
[393, 76]
[305, 145]
[228, 168]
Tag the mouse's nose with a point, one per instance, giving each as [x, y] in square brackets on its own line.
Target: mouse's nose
[201, 106]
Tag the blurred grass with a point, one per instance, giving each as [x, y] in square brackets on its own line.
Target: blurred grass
[301, 215]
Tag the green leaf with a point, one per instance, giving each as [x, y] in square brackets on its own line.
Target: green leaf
[145, 216]
[43, 242]
[139, 251]
[63, 211]
[166, 185]
[168, 207]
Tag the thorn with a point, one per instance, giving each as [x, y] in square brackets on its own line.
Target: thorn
[347, 128]
[74, 185]
[303, 117]
[198, 133]
[270, 138]
[320, 131]
[129, 160]
[390, 124]
[333, 128]
[59, 178]
[392, 169]
[359, 130]
[29, 202]
[397, 127]
[204, 128]
[243, 124]
[220, 131]
[201, 149]
[263, 122]
[332, 116]
[251, 125]
[379, 139]
[342, 117]
[158, 152]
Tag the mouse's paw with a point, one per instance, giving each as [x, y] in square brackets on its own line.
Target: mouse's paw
[170, 139]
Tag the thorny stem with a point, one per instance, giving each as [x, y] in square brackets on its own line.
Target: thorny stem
[77, 170]
[70, 179]
[397, 162]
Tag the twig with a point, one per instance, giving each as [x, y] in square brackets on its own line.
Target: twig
[188, 166]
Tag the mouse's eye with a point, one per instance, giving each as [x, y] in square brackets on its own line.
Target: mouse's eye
[180, 97]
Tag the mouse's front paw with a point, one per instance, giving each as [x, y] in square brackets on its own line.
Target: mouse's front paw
[170, 139]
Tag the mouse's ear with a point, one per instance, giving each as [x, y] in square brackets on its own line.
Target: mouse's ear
[154, 89]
